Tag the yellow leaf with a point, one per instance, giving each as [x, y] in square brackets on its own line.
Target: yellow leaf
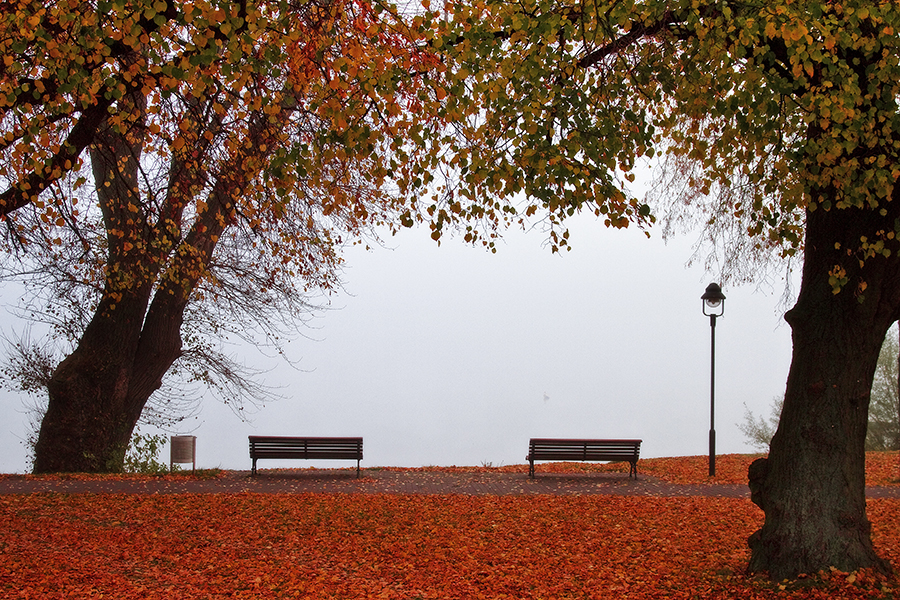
[798, 31]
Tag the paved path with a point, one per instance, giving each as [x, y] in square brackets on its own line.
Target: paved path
[389, 481]
[376, 481]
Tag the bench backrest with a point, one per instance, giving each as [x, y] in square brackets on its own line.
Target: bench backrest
[308, 447]
[573, 449]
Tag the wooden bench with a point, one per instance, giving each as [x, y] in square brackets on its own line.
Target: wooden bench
[349, 448]
[569, 450]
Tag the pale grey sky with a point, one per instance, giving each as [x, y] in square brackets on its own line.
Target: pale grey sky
[454, 356]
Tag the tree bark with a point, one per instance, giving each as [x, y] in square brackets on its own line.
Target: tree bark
[88, 423]
[812, 485]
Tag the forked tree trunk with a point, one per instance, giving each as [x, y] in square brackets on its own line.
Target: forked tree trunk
[812, 486]
[97, 394]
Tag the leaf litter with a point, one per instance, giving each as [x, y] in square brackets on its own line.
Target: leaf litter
[403, 546]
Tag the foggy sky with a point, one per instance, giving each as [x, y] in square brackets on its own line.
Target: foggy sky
[454, 356]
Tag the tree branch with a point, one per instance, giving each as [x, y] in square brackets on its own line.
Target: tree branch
[81, 136]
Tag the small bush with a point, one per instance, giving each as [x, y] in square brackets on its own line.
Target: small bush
[143, 454]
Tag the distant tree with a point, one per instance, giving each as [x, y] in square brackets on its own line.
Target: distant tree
[883, 432]
[758, 430]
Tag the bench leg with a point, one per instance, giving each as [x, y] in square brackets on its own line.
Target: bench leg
[633, 471]
[531, 468]
[253, 469]
[357, 468]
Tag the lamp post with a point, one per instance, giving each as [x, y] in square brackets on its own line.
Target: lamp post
[713, 307]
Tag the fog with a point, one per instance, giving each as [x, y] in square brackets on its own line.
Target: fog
[452, 355]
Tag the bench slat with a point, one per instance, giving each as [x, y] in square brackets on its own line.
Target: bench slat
[309, 454]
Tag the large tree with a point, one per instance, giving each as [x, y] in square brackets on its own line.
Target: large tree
[778, 124]
[167, 162]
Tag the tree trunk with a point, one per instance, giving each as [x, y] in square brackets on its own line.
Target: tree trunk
[97, 394]
[812, 486]
[87, 425]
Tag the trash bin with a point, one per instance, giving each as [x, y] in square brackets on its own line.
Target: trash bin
[183, 449]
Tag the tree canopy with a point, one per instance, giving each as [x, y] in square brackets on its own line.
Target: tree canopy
[175, 173]
[753, 108]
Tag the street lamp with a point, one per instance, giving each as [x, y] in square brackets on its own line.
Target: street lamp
[713, 307]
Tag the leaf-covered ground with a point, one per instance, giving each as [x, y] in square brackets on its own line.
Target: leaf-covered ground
[402, 546]
[882, 468]
[390, 546]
